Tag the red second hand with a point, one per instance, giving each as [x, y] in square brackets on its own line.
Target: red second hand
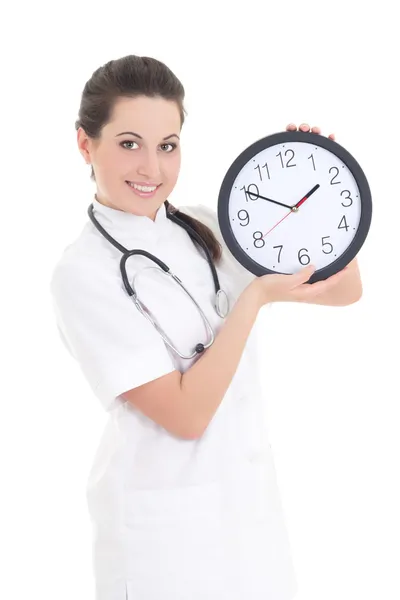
[289, 213]
[294, 209]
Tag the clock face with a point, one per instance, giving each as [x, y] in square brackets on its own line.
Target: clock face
[293, 199]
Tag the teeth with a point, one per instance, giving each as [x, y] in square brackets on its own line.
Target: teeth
[142, 188]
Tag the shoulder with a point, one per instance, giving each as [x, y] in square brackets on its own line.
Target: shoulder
[83, 271]
[87, 257]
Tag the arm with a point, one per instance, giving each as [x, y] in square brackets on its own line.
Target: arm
[185, 404]
[206, 382]
[347, 291]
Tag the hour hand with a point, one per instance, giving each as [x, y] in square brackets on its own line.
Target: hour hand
[269, 199]
[304, 198]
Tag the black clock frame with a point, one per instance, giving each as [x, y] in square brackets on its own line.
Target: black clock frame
[317, 140]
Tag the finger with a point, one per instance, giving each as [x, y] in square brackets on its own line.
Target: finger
[332, 136]
[304, 294]
[310, 290]
[326, 284]
[291, 127]
[304, 127]
[306, 291]
[316, 130]
[301, 276]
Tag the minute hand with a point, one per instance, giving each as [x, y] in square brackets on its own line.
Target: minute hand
[269, 199]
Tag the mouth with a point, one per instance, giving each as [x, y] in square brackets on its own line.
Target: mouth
[144, 191]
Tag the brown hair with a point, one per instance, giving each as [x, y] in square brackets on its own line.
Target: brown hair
[129, 77]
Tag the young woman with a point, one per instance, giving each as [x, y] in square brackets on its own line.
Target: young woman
[182, 493]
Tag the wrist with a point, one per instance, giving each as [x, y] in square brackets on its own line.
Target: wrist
[255, 295]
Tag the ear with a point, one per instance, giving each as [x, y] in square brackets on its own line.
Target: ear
[83, 145]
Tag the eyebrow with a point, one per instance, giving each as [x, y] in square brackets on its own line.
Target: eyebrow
[140, 137]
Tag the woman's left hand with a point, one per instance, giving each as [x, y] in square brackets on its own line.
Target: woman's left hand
[305, 127]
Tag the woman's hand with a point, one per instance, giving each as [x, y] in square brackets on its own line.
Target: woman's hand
[305, 127]
[294, 288]
[343, 288]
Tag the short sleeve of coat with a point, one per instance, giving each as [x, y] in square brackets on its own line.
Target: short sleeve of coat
[116, 347]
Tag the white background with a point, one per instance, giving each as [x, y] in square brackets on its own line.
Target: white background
[333, 411]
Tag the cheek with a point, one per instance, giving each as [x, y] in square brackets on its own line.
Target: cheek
[117, 166]
[174, 168]
[113, 166]
[110, 161]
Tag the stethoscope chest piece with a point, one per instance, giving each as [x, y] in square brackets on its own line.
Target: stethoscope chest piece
[221, 304]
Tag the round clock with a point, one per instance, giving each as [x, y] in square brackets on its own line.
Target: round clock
[291, 199]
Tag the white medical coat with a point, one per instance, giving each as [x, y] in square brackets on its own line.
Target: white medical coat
[173, 519]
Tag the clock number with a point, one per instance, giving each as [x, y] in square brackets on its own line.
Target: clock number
[279, 253]
[303, 256]
[258, 239]
[345, 226]
[347, 198]
[243, 218]
[327, 244]
[259, 170]
[312, 158]
[287, 164]
[334, 177]
[248, 193]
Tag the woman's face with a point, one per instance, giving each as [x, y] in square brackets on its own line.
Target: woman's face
[154, 158]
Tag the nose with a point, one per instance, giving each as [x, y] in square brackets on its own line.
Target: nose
[149, 166]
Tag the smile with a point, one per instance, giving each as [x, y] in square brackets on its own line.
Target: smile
[144, 191]
[142, 188]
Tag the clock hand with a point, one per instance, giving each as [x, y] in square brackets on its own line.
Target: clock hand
[265, 234]
[294, 208]
[314, 189]
[269, 199]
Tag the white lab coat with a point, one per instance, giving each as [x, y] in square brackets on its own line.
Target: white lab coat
[173, 519]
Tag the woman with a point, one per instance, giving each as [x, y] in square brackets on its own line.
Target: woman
[182, 493]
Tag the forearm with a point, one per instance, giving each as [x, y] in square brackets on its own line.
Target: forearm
[206, 382]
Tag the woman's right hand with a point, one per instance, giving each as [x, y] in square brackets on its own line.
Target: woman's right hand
[292, 288]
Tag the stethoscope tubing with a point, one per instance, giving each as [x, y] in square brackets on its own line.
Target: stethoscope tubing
[131, 291]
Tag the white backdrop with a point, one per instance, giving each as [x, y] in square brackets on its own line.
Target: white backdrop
[333, 414]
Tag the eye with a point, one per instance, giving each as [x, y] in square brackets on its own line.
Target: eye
[173, 146]
[127, 142]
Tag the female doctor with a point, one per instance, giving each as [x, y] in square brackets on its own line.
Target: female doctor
[182, 493]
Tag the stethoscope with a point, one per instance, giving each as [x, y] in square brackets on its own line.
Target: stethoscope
[221, 302]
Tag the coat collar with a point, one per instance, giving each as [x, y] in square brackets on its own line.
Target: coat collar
[130, 226]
